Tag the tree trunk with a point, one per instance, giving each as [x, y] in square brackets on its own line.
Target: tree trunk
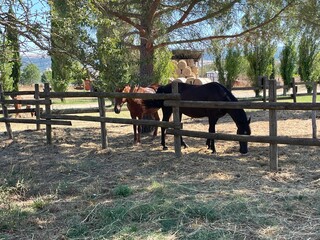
[146, 62]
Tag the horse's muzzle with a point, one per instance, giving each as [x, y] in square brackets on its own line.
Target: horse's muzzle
[117, 109]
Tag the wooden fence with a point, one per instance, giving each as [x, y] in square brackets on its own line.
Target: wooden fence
[50, 118]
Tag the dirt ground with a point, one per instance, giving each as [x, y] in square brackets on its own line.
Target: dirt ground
[76, 156]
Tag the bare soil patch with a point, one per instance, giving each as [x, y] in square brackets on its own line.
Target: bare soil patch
[61, 191]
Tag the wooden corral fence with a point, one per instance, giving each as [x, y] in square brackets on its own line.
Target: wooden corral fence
[263, 86]
[49, 117]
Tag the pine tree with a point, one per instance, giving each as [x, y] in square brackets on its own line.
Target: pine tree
[12, 37]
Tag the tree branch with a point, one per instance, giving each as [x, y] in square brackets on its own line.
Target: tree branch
[163, 44]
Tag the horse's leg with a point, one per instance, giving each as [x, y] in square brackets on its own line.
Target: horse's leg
[208, 143]
[139, 135]
[182, 142]
[166, 113]
[140, 116]
[212, 129]
[135, 138]
[157, 118]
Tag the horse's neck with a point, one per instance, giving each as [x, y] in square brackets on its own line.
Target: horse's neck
[238, 116]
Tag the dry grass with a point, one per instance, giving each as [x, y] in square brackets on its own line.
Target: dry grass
[73, 189]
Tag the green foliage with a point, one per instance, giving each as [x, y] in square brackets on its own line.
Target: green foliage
[13, 39]
[78, 73]
[114, 63]
[233, 65]
[46, 76]
[288, 59]
[228, 61]
[5, 65]
[315, 75]
[30, 74]
[260, 57]
[65, 33]
[163, 66]
[308, 49]
[122, 191]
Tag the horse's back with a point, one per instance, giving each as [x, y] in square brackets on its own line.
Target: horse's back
[207, 92]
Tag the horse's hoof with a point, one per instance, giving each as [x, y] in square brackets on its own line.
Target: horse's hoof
[165, 148]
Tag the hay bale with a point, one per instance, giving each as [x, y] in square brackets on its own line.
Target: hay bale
[180, 79]
[201, 81]
[186, 71]
[182, 64]
[179, 71]
[195, 70]
[175, 63]
[190, 62]
[190, 80]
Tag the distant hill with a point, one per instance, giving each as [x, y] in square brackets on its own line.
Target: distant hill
[43, 63]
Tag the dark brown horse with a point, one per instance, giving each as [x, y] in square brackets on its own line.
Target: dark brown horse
[207, 92]
[137, 108]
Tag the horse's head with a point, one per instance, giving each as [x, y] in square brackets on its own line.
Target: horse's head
[244, 129]
[118, 102]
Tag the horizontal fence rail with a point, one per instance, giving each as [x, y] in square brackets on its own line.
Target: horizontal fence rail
[152, 96]
[246, 138]
[35, 121]
[110, 120]
[246, 105]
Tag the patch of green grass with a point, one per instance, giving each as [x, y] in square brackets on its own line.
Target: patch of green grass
[301, 99]
[122, 191]
[74, 101]
[39, 203]
[11, 219]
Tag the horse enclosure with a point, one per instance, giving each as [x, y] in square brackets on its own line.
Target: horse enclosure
[51, 117]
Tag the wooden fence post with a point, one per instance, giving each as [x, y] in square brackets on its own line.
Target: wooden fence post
[48, 111]
[273, 149]
[294, 90]
[177, 123]
[102, 113]
[5, 113]
[264, 85]
[314, 112]
[36, 97]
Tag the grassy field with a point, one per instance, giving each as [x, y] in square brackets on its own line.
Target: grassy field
[73, 189]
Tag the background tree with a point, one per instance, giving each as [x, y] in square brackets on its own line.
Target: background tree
[115, 62]
[13, 40]
[234, 63]
[5, 63]
[164, 67]
[308, 49]
[155, 24]
[260, 46]
[46, 76]
[30, 74]
[288, 58]
[63, 35]
[151, 24]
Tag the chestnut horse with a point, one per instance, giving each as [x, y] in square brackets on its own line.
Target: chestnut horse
[208, 92]
[136, 108]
